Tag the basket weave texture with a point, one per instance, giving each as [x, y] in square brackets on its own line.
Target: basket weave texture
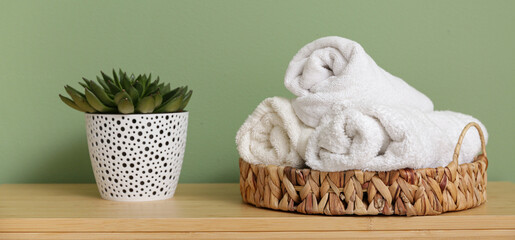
[409, 192]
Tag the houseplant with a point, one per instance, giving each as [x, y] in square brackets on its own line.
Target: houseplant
[136, 130]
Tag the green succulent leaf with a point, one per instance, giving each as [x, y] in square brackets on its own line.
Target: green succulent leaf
[101, 94]
[125, 106]
[104, 85]
[96, 103]
[150, 79]
[79, 99]
[160, 86]
[84, 85]
[127, 93]
[70, 103]
[72, 91]
[115, 78]
[105, 76]
[134, 94]
[165, 89]
[121, 75]
[139, 88]
[171, 105]
[112, 86]
[185, 100]
[158, 99]
[143, 80]
[180, 92]
[152, 88]
[171, 94]
[147, 80]
[126, 83]
[86, 81]
[156, 81]
[120, 95]
[145, 105]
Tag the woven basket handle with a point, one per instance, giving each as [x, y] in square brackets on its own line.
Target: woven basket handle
[454, 163]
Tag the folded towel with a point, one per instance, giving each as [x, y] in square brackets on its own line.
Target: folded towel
[332, 69]
[273, 134]
[384, 138]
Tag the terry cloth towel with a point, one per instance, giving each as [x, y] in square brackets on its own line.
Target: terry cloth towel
[273, 134]
[383, 138]
[332, 69]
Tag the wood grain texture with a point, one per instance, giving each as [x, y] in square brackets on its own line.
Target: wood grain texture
[425, 234]
[43, 210]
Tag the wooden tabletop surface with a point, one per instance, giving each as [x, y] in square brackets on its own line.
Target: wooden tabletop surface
[217, 208]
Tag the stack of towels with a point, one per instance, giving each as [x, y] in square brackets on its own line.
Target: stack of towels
[351, 114]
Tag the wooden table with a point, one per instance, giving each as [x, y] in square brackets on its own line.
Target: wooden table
[75, 211]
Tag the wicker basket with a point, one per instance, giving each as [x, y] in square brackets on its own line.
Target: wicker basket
[410, 192]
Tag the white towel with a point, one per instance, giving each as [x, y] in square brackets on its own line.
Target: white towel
[332, 69]
[383, 138]
[273, 134]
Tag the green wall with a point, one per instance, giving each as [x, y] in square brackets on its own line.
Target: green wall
[234, 54]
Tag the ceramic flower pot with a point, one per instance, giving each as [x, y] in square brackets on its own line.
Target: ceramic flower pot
[137, 157]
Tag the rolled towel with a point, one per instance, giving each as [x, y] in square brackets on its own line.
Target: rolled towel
[384, 138]
[273, 134]
[332, 69]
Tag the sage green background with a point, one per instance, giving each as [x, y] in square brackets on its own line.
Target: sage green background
[234, 54]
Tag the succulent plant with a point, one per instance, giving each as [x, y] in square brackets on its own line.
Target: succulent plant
[126, 94]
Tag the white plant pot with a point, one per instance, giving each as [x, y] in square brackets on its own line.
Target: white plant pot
[137, 157]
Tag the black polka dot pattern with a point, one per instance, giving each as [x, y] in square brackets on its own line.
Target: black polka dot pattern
[137, 157]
